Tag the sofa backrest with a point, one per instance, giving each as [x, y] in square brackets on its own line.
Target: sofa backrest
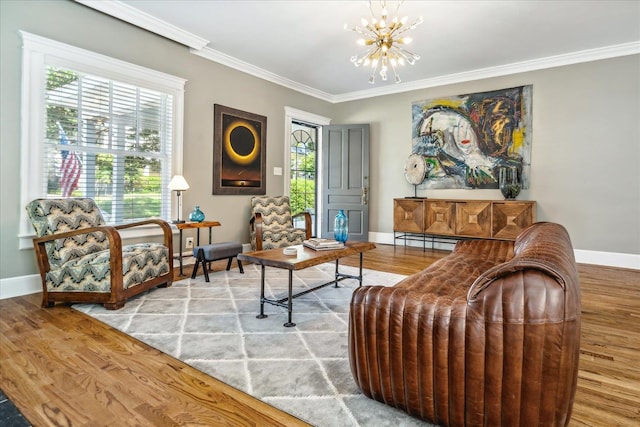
[54, 216]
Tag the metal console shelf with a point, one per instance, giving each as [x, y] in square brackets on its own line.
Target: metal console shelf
[424, 237]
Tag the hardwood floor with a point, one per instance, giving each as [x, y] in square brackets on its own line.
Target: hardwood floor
[61, 367]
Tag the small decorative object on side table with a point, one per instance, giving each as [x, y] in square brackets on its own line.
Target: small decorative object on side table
[197, 215]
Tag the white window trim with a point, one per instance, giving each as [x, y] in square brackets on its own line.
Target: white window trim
[39, 51]
[291, 115]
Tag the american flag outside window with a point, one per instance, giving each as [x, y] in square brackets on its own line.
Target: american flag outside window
[70, 168]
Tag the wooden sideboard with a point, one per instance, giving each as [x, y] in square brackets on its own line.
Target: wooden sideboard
[458, 219]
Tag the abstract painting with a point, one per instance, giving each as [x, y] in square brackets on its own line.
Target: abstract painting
[466, 139]
[239, 151]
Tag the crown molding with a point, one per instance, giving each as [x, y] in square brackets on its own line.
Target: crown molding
[245, 67]
[197, 45]
[141, 19]
[607, 52]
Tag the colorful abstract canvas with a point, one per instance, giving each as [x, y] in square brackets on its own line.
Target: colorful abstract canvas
[466, 139]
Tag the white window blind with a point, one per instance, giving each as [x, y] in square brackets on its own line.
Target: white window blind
[96, 126]
[109, 141]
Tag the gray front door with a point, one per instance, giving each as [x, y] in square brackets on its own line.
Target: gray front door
[345, 178]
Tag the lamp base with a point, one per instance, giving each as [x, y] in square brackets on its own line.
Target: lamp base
[178, 221]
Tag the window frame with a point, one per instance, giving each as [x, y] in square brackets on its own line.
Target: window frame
[294, 115]
[39, 52]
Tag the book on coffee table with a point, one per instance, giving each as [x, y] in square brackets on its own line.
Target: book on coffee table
[323, 244]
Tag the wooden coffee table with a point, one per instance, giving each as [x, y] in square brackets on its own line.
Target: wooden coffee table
[305, 258]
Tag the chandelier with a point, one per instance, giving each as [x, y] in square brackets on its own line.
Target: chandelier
[385, 46]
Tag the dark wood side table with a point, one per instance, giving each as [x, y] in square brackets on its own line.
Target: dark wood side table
[197, 225]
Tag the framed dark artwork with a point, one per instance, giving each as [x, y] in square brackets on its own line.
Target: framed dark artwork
[467, 139]
[239, 152]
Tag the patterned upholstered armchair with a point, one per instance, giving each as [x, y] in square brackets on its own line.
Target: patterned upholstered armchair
[82, 260]
[271, 224]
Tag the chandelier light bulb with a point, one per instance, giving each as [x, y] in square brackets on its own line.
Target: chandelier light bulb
[383, 42]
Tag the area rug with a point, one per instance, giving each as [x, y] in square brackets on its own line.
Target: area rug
[302, 370]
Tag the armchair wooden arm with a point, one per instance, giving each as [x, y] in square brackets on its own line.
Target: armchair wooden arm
[255, 224]
[307, 222]
[164, 225]
[41, 250]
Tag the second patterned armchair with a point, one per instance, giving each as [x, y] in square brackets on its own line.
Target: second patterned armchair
[271, 225]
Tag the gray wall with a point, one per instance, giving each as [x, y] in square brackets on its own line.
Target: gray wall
[586, 132]
[585, 171]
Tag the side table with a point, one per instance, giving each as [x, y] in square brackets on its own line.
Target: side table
[197, 225]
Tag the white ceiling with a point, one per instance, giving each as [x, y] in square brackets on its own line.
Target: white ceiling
[303, 44]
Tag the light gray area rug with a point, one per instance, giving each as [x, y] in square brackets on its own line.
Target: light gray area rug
[302, 370]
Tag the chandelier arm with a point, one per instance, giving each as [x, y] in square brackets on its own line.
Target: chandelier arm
[370, 6]
[396, 76]
[406, 53]
[398, 7]
[364, 31]
[395, 31]
[369, 54]
[404, 30]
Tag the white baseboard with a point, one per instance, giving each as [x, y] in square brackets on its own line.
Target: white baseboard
[608, 259]
[25, 285]
[21, 285]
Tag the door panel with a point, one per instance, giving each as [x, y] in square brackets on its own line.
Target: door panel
[345, 167]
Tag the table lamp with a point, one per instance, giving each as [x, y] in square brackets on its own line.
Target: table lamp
[178, 184]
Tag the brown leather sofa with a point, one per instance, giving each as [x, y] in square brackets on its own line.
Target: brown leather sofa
[487, 336]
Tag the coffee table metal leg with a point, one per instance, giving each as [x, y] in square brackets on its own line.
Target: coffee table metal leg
[290, 301]
[360, 276]
[262, 315]
[337, 276]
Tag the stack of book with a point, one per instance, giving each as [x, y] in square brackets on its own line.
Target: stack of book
[323, 244]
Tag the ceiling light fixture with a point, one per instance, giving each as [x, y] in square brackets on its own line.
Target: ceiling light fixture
[384, 42]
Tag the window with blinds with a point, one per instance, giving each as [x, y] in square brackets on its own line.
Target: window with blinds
[96, 126]
[109, 141]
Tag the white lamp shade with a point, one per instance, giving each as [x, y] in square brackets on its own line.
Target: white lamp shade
[178, 183]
